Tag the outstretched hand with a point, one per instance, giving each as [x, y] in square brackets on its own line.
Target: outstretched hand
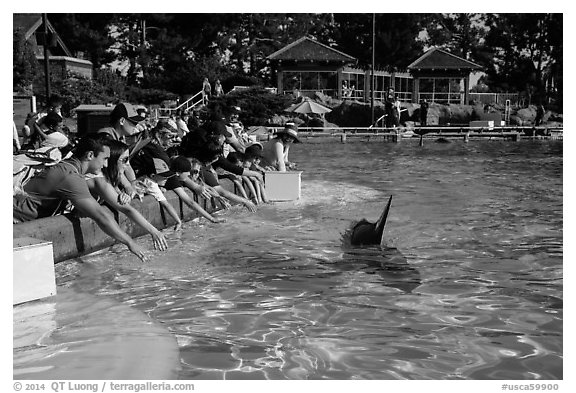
[138, 251]
[160, 242]
[250, 206]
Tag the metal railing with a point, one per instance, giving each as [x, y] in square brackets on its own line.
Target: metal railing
[186, 105]
[495, 98]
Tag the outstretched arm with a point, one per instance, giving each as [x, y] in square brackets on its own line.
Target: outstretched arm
[233, 197]
[280, 159]
[111, 196]
[89, 207]
[194, 205]
[200, 190]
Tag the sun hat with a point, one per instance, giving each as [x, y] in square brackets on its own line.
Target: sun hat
[126, 111]
[290, 129]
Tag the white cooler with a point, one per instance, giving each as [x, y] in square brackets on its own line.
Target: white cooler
[282, 186]
[33, 270]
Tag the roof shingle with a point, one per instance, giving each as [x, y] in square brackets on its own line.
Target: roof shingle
[437, 58]
[307, 49]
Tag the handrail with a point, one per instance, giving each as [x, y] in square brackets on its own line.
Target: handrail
[188, 100]
[184, 104]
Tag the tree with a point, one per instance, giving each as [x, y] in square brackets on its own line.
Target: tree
[461, 34]
[526, 49]
[88, 33]
[24, 63]
[396, 37]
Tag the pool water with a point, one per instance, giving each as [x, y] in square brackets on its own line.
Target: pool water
[469, 286]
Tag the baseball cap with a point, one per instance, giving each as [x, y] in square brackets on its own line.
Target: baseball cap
[126, 111]
[152, 162]
[180, 164]
[167, 124]
[161, 168]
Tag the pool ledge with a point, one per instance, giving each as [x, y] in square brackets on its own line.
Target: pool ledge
[76, 336]
[73, 236]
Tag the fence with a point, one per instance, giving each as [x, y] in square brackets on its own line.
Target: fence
[495, 98]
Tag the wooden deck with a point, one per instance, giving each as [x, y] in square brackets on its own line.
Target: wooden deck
[507, 133]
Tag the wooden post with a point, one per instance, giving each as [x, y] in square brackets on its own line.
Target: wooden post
[421, 143]
[343, 137]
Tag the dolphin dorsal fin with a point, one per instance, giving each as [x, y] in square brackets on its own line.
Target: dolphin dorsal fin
[382, 220]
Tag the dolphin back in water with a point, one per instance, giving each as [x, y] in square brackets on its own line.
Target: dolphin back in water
[365, 232]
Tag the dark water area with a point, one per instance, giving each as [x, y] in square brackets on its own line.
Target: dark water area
[470, 285]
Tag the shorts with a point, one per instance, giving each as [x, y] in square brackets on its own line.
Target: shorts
[146, 186]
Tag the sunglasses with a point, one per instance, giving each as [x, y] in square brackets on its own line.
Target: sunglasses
[195, 171]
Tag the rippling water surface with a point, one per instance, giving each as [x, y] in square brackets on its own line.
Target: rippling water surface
[471, 287]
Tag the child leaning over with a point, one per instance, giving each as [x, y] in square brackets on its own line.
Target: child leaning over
[182, 167]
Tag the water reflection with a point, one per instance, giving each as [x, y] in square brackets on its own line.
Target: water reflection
[469, 287]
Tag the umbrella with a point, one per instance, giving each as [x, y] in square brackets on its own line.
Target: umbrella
[307, 106]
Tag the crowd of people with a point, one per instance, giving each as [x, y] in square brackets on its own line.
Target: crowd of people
[135, 156]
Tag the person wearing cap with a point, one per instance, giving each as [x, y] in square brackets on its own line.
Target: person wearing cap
[253, 156]
[225, 137]
[47, 133]
[123, 121]
[162, 137]
[34, 120]
[207, 157]
[255, 186]
[46, 193]
[275, 151]
[182, 167]
[152, 173]
[143, 125]
[147, 160]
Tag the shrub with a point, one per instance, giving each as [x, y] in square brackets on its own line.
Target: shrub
[258, 105]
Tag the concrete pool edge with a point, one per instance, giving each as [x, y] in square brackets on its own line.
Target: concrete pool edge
[73, 236]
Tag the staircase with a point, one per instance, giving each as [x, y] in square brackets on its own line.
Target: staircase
[195, 101]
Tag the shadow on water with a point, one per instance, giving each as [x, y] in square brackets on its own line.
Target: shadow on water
[388, 263]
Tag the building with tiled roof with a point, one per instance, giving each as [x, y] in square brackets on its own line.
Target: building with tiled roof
[307, 66]
[309, 50]
[62, 61]
[440, 76]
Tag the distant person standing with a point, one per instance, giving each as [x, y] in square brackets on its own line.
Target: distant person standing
[206, 91]
[539, 115]
[390, 106]
[218, 90]
[423, 112]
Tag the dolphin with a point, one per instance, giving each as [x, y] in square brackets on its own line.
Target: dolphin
[389, 263]
[366, 233]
